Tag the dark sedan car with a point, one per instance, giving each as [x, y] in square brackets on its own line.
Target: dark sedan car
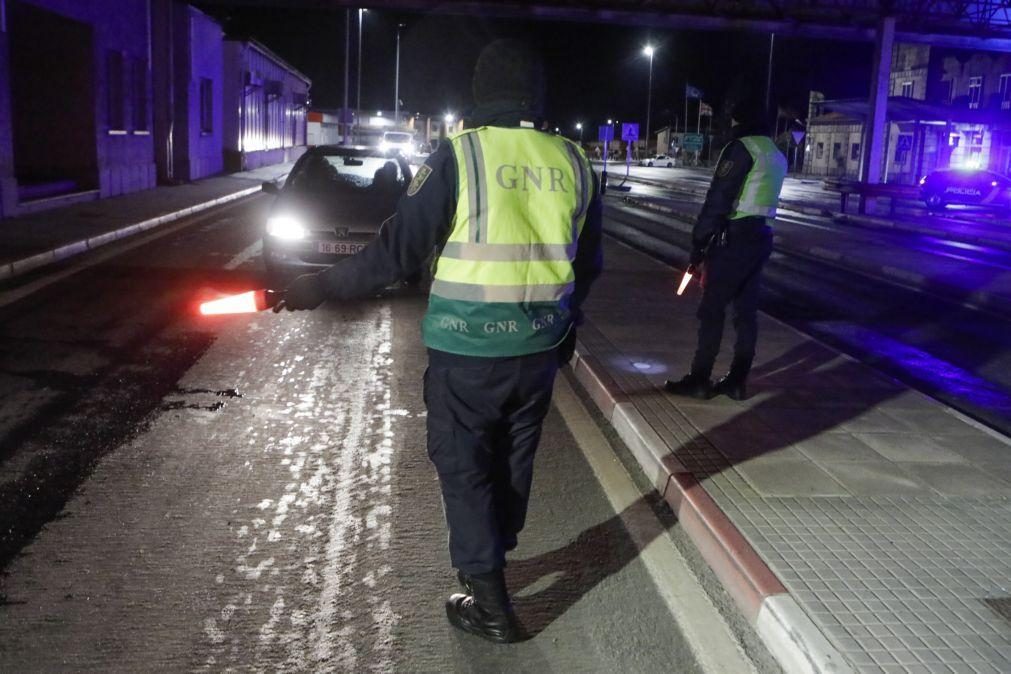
[967, 187]
[331, 206]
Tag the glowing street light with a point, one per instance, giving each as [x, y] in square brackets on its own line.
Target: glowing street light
[579, 128]
[648, 51]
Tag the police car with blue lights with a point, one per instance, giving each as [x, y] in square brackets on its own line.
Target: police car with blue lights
[965, 187]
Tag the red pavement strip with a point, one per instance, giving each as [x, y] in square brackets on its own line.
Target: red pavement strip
[27, 264]
[793, 639]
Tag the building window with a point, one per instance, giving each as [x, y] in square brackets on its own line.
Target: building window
[855, 151]
[975, 91]
[1005, 91]
[206, 105]
[115, 102]
[819, 150]
[836, 150]
[907, 89]
[140, 95]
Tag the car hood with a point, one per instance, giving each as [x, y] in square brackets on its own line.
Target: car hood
[354, 210]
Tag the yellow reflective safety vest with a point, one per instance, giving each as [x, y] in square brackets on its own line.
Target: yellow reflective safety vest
[503, 280]
[759, 195]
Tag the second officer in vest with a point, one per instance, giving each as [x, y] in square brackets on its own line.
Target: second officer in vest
[731, 241]
[514, 217]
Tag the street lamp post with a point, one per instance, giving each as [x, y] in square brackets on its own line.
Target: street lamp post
[396, 81]
[358, 97]
[648, 51]
[579, 128]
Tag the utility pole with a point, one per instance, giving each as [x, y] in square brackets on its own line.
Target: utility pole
[396, 81]
[358, 98]
[347, 71]
[768, 76]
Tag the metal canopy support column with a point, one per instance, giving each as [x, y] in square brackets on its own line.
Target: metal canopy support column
[876, 126]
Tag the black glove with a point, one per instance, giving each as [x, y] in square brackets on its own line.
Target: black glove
[305, 292]
[567, 348]
[697, 255]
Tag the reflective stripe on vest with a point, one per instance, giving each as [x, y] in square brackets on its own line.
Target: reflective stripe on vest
[502, 281]
[760, 193]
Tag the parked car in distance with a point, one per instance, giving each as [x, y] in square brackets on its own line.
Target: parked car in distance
[965, 187]
[331, 205]
[661, 160]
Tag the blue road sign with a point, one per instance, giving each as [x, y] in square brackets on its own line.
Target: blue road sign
[630, 132]
[692, 142]
[605, 133]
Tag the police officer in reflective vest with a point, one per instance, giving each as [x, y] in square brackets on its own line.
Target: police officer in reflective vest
[514, 217]
[731, 241]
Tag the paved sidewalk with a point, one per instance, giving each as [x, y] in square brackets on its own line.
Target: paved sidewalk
[858, 524]
[35, 240]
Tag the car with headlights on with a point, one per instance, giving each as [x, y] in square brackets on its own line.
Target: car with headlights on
[398, 143]
[965, 187]
[330, 206]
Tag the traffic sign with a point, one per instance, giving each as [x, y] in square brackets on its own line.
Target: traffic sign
[630, 132]
[692, 142]
[797, 137]
[605, 134]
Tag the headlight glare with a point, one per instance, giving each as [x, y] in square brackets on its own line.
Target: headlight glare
[285, 227]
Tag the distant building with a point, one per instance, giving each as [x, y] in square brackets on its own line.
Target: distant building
[75, 102]
[946, 108]
[188, 76]
[271, 100]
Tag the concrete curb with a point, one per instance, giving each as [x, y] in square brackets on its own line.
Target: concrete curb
[24, 265]
[790, 635]
[976, 300]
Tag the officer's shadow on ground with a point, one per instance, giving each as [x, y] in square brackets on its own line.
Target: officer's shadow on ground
[545, 587]
[805, 392]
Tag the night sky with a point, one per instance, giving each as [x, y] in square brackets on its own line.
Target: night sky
[594, 71]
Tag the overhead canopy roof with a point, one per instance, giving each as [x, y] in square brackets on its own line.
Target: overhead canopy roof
[904, 110]
[984, 24]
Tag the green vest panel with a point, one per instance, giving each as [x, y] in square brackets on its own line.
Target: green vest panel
[503, 279]
[760, 193]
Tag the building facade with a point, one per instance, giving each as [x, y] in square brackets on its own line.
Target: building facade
[947, 108]
[105, 97]
[271, 99]
[75, 102]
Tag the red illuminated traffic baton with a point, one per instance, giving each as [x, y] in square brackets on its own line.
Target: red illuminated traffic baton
[244, 303]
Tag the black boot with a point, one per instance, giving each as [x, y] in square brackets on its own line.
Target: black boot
[487, 611]
[734, 384]
[693, 385]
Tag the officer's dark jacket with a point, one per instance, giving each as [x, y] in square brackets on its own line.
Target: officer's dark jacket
[728, 179]
[423, 221]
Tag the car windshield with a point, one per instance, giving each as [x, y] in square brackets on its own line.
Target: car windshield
[322, 172]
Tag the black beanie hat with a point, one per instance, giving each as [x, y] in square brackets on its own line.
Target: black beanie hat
[508, 70]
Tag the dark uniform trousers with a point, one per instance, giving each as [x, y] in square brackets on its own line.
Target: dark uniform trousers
[484, 424]
[732, 275]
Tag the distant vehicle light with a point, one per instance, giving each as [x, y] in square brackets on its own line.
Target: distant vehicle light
[285, 227]
[993, 183]
[923, 180]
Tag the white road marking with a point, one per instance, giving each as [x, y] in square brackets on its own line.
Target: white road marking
[713, 644]
[248, 253]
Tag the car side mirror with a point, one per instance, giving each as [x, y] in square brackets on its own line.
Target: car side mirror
[271, 188]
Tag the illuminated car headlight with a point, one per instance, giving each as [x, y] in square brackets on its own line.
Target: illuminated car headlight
[923, 180]
[285, 227]
[384, 147]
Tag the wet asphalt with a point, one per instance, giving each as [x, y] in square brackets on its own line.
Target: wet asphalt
[253, 493]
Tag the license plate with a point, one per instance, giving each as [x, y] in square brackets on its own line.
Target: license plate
[338, 248]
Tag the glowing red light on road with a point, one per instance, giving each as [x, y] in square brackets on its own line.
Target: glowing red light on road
[245, 303]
